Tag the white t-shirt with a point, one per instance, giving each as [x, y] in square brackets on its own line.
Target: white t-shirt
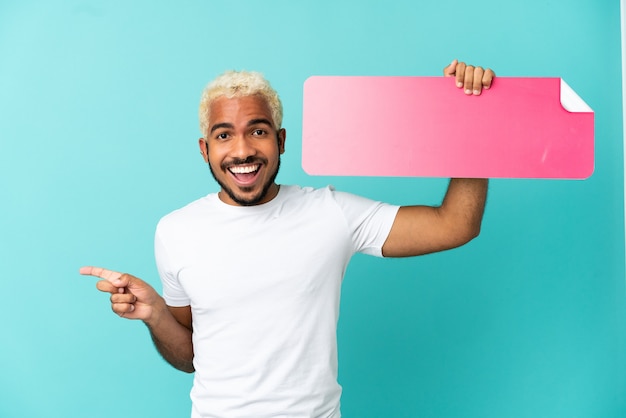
[263, 283]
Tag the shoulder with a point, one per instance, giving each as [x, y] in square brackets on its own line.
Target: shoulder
[329, 191]
[188, 212]
[295, 192]
[311, 197]
[349, 204]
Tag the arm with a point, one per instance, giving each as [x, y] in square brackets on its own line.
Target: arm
[171, 334]
[132, 298]
[423, 229]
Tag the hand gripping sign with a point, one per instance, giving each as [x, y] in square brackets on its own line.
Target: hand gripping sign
[427, 127]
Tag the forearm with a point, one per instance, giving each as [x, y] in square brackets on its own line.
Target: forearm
[171, 339]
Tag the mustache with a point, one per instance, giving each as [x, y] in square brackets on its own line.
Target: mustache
[240, 161]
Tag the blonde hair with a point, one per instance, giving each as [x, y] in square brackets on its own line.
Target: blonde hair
[239, 84]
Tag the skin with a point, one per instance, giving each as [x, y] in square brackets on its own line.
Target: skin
[242, 136]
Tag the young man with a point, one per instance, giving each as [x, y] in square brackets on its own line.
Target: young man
[252, 274]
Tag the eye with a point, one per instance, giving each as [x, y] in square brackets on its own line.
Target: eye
[221, 136]
[258, 132]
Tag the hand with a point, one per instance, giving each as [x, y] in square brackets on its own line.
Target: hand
[131, 297]
[472, 79]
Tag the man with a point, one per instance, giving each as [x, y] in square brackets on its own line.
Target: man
[252, 274]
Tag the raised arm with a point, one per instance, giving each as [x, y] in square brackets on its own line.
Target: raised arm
[132, 298]
[421, 230]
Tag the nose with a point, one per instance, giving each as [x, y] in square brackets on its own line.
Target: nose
[242, 147]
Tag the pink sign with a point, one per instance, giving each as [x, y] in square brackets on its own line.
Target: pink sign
[427, 127]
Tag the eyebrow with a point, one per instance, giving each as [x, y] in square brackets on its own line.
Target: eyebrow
[225, 125]
[259, 121]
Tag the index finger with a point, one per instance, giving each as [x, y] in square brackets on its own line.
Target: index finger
[100, 272]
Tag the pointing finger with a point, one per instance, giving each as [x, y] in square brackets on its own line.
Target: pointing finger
[100, 272]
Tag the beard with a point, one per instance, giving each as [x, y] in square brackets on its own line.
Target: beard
[251, 201]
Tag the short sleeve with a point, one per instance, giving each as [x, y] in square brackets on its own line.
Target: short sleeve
[369, 221]
[173, 293]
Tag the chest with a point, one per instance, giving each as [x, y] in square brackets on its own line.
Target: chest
[274, 261]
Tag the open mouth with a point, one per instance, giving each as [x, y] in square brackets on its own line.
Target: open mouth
[245, 174]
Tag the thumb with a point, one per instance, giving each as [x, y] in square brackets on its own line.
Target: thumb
[129, 281]
[450, 70]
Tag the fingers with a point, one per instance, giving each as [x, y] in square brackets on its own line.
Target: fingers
[123, 303]
[115, 278]
[472, 79]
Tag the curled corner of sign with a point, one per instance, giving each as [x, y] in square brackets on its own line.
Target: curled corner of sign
[571, 101]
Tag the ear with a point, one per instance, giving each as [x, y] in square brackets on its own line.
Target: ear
[282, 136]
[204, 149]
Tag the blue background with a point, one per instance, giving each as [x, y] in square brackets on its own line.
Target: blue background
[98, 134]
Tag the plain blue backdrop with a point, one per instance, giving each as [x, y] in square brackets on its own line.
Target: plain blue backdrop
[98, 140]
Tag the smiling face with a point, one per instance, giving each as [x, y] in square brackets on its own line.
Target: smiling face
[242, 148]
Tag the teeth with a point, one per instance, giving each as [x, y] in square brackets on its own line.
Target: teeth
[244, 169]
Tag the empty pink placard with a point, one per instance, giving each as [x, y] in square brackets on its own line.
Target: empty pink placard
[427, 127]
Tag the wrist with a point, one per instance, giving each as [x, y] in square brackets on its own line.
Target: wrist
[157, 313]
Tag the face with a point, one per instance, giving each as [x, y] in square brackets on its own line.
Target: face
[243, 150]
